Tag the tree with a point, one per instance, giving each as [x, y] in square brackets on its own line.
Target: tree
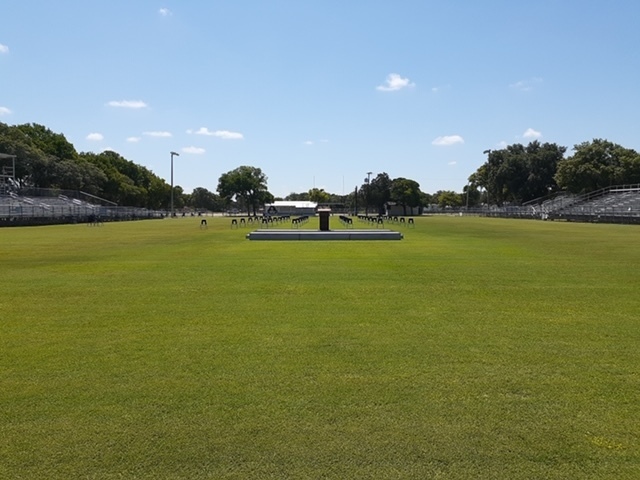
[375, 192]
[158, 194]
[542, 165]
[471, 196]
[47, 160]
[127, 183]
[179, 197]
[77, 175]
[297, 197]
[52, 144]
[517, 173]
[33, 164]
[318, 195]
[426, 199]
[203, 199]
[405, 192]
[245, 183]
[380, 191]
[448, 198]
[598, 164]
[264, 197]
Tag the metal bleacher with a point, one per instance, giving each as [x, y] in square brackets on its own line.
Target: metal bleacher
[32, 209]
[618, 204]
[14, 205]
[42, 206]
[615, 204]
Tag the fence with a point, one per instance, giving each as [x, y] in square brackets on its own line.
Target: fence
[19, 209]
[616, 204]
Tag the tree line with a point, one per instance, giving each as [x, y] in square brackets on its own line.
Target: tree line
[518, 173]
[373, 195]
[48, 160]
[514, 174]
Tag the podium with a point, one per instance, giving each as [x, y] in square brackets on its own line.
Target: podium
[323, 214]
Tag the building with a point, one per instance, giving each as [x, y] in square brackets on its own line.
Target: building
[395, 210]
[283, 207]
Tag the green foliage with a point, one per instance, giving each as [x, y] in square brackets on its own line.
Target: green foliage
[471, 196]
[33, 162]
[203, 199]
[294, 197]
[47, 160]
[514, 174]
[318, 195]
[426, 198]
[517, 173]
[448, 198]
[50, 143]
[379, 191]
[124, 181]
[598, 164]
[405, 192]
[264, 197]
[246, 184]
[157, 350]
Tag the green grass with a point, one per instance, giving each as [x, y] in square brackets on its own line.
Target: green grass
[473, 348]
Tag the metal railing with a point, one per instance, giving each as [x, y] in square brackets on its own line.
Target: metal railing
[37, 210]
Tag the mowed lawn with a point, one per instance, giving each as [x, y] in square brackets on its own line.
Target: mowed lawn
[472, 348]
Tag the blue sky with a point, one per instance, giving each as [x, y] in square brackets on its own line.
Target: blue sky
[317, 93]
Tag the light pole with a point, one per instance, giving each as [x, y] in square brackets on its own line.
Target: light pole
[467, 209]
[366, 206]
[486, 188]
[173, 154]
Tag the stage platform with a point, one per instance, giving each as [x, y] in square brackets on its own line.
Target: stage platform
[276, 234]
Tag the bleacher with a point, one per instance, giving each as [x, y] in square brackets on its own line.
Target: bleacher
[14, 205]
[18, 209]
[562, 200]
[620, 204]
[616, 204]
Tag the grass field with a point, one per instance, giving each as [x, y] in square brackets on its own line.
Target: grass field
[473, 348]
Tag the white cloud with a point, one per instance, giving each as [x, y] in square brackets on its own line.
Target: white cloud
[127, 104]
[526, 85]
[531, 133]
[227, 135]
[224, 134]
[502, 145]
[314, 142]
[95, 137]
[4, 48]
[448, 140]
[452, 163]
[202, 131]
[158, 134]
[194, 150]
[395, 82]
[133, 139]
[5, 111]
[165, 12]
[440, 89]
